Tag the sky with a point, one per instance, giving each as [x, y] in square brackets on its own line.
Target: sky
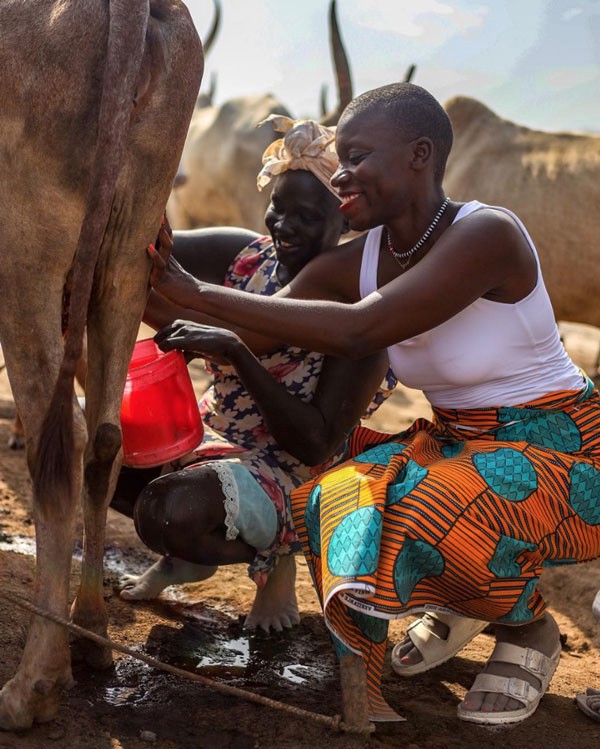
[535, 62]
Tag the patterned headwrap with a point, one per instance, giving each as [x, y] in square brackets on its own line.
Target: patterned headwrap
[305, 145]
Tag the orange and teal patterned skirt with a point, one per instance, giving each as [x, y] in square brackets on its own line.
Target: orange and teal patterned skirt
[460, 514]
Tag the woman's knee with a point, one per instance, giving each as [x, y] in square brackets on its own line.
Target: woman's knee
[130, 483]
[175, 510]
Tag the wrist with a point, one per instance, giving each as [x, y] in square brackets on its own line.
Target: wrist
[236, 351]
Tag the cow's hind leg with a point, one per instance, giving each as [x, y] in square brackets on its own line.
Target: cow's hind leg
[113, 324]
[171, 72]
[45, 669]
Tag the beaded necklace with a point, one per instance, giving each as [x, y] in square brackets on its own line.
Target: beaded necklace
[403, 258]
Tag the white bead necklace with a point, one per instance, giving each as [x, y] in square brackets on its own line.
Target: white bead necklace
[403, 258]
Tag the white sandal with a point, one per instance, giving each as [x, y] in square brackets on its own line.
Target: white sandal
[434, 649]
[533, 662]
[589, 703]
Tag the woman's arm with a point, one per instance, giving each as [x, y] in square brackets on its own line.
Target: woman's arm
[311, 431]
[206, 254]
[474, 257]
[161, 312]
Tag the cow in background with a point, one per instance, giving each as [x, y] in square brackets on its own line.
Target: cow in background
[223, 151]
[551, 181]
[96, 100]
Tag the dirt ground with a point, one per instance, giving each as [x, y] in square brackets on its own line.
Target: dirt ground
[199, 628]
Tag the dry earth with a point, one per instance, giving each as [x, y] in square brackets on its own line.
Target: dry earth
[198, 628]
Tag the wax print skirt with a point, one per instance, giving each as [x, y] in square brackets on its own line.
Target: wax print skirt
[457, 514]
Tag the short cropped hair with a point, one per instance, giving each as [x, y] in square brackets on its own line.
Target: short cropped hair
[414, 111]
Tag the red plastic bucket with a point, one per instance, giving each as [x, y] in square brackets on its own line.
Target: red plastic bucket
[160, 420]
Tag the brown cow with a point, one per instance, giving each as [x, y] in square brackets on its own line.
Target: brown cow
[96, 99]
[551, 180]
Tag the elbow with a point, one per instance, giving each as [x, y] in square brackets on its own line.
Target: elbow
[360, 335]
[355, 345]
[317, 449]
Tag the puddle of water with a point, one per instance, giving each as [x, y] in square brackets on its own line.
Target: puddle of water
[119, 695]
[18, 544]
[116, 561]
[213, 644]
[210, 640]
[290, 673]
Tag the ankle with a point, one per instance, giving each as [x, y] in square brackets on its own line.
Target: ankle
[542, 634]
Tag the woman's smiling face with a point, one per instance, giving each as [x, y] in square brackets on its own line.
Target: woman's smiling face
[372, 178]
[303, 218]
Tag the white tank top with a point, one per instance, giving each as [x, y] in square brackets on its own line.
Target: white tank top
[490, 353]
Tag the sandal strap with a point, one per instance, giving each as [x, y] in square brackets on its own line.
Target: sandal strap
[518, 689]
[532, 661]
[428, 621]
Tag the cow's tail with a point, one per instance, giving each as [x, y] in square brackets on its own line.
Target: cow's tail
[128, 20]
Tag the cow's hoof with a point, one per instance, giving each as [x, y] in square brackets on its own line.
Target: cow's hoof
[21, 708]
[95, 656]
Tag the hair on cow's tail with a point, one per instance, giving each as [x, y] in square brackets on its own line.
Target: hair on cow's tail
[128, 20]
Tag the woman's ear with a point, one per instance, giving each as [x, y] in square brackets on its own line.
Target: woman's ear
[422, 153]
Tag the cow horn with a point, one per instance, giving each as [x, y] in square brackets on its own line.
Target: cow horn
[341, 65]
[409, 73]
[212, 33]
[206, 100]
[323, 100]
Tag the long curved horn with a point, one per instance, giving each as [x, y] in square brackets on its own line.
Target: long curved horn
[341, 65]
[212, 87]
[212, 33]
[323, 100]
[409, 73]
[206, 100]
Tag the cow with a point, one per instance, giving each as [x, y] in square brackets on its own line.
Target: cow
[16, 439]
[96, 100]
[223, 151]
[220, 160]
[550, 180]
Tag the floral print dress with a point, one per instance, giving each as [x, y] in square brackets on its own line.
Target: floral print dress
[234, 426]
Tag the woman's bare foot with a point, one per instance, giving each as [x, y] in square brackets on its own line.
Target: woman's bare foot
[167, 571]
[542, 636]
[275, 605]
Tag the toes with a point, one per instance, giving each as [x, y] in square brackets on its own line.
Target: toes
[278, 624]
[411, 656]
[473, 701]
[128, 581]
[126, 593]
[501, 703]
[404, 647]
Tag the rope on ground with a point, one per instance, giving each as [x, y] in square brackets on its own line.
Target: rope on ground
[334, 722]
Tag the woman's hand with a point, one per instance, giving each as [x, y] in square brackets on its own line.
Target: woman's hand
[217, 344]
[167, 277]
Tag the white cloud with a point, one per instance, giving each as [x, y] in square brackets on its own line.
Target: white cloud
[571, 13]
[431, 21]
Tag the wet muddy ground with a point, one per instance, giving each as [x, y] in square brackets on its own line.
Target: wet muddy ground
[199, 628]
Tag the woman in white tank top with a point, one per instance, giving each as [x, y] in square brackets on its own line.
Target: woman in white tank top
[457, 516]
